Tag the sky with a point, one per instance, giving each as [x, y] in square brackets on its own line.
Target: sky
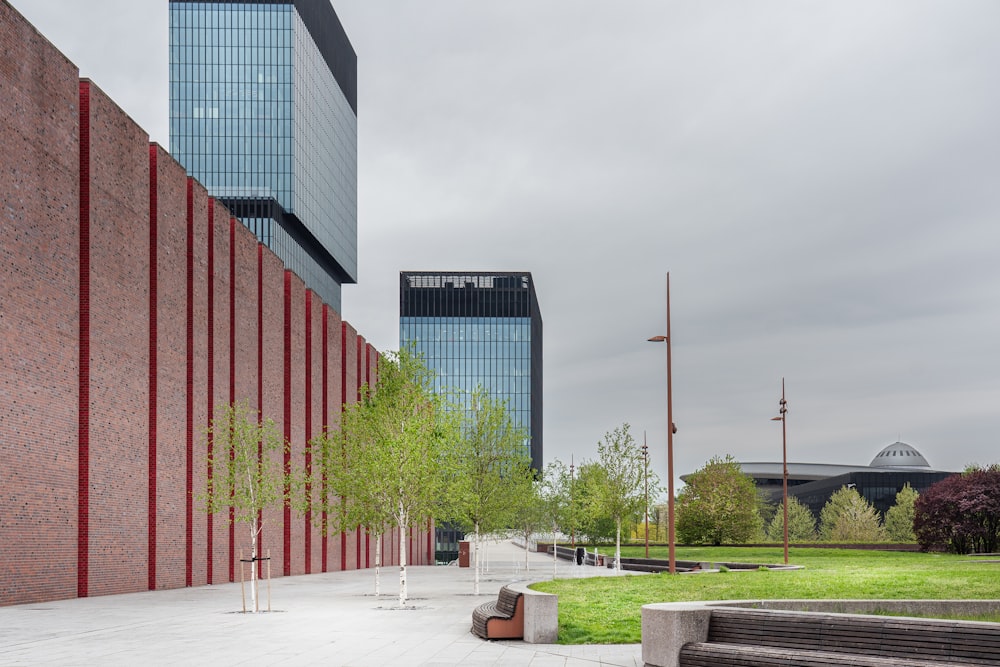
[820, 179]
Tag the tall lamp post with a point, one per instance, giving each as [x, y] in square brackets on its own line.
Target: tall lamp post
[782, 417]
[645, 479]
[671, 429]
[572, 507]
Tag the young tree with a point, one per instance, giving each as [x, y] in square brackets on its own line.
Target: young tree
[554, 501]
[848, 517]
[899, 518]
[801, 523]
[585, 513]
[492, 462]
[621, 494]
[529, 515]
[248, 474]
[397, 448]
[717, 505]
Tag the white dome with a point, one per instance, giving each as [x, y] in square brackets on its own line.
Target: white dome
[899, 454]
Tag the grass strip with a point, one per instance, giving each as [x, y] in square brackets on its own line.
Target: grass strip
[607, 610]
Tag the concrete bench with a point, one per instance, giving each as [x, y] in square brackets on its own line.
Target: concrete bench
[693, 635]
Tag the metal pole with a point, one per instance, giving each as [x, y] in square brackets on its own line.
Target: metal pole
[645, 476]
[784, 462]
[671, 429]
[572, 507]
[670, 445]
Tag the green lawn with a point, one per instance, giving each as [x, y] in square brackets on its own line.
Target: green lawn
[606, 610]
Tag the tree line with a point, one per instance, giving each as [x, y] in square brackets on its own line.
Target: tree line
[720, 505]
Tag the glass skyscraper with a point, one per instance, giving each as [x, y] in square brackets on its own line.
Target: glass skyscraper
[263, 111]
[479, 328]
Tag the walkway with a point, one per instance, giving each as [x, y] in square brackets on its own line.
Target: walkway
[323, 619]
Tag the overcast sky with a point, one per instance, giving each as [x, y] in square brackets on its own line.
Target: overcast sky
[821, 180]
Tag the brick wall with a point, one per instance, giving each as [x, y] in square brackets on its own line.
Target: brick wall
[39, 271]
[168, 459]
[119, 347]
[133, 305]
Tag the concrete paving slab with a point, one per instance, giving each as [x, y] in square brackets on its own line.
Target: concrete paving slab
[321, 619]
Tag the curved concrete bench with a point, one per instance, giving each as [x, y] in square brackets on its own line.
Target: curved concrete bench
[733, 633]
[541, 614]
[523, 613]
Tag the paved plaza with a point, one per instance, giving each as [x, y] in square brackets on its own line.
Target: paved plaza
[322, 619]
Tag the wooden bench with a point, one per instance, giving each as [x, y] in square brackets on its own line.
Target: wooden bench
[502, 618]
[810, 639]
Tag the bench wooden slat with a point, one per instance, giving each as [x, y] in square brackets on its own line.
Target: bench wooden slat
[946, 642]
[708, 654]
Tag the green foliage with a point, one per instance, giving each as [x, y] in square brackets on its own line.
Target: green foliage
[801, 523]
[622, 493]
[586, 515]
[717, 505]
[398, 445]
[553, 495]
[848, 517]
[530, 517]
[493, 469]
[245, 457]
[585, 605]
[388, 466]
[899, 518]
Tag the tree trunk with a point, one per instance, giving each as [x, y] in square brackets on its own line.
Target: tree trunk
[253, 564]
[378, 561]
[475, 544]
[526, 540]
[554, 545]
[618, 546]
[402, 558]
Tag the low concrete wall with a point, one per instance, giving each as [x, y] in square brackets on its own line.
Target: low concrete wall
[666, 627]
[669, 626]
[929, 608]
[541, 614]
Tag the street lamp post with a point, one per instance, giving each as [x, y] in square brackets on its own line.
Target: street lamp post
[782, 417]
[572, 507]
[645, 478]
[671, 429]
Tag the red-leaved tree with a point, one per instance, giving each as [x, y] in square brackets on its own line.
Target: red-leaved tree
[961, 513]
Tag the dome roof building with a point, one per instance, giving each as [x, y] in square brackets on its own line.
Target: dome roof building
[894, 467]
[899, 455]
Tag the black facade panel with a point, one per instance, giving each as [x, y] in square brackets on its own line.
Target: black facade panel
[877, 487]
[266, 207]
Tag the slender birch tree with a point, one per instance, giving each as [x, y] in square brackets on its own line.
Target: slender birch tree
[621, 495]
[248, 474]
[492, 463]
[397, 445]
[554, 494]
